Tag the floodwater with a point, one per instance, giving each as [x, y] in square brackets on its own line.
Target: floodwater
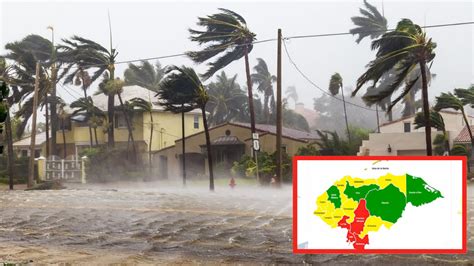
[158, 223]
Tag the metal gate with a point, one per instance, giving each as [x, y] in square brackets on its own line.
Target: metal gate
[69, 169]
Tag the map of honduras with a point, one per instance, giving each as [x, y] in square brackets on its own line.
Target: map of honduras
[364, 205]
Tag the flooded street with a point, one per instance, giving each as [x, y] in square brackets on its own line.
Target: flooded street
[159, 223]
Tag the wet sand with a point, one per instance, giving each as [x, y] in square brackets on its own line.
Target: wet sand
[158, 223]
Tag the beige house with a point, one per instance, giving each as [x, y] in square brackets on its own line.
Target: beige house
[229, 142]
[22, 146]
[400, 137]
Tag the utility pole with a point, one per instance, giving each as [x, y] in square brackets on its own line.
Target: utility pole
[31, 169]
[278, 112]
[53, 110]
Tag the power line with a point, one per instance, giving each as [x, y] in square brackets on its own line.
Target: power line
[374, 31]
[315, 85]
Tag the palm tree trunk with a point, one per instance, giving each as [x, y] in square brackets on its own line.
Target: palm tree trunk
[95, 135]
[90, 128]
[11, 156]
[183, 158]
[54, 113]
[249, 89]
[151, 139]
[446, 142]
[208, 146]
[47, 126]
[345, 114]
[265, 109]
[130, 130]
[64, 139]
[426, 109]
[110, 116]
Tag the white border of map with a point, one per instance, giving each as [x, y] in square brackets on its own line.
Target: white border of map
[437, 225]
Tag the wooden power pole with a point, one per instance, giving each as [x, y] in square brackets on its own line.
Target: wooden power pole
[31, 168]
[278, 113]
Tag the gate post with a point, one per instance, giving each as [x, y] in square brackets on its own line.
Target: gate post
[62, 169]
[83, 169]
[41, 168]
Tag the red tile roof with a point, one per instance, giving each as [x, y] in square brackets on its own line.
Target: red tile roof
[463, 136]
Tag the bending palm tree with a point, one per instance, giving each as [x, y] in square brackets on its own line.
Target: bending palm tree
[147, 107]
[144, 75]
[227, 101]
[370, 24]
[450, 101]
[225, 33]
[437, 122]
[291, 93]
[181, 91]
[86, 54]
[264, 80]
[86, 105]
[335, 84]
[403, 49]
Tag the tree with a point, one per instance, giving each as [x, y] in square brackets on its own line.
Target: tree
[63, 116]
[264, 80]
[450, 101]
[291, 93]
[225, 33]
[87, 54]
[145, 75]
[370, 24]
[403, 49]
[87, 107]
[145, 106]
[227, 101]
[335, 85]
[182, 91]
[437, 122]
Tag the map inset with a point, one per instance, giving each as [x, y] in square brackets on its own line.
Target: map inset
[363, 206]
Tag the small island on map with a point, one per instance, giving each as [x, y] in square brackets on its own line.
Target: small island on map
[364, 205]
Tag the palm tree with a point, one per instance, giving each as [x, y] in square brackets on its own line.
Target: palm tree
[145, 106]
[264, 80]
[402, 50]
[86, 54]
[86, 106]
[370, 24]
[335, 85]
[226, 100]
[291, 93]
[63, 116]
[181, 91]
[145, 75]
[437, 122]
[227, 34]
[450, 101]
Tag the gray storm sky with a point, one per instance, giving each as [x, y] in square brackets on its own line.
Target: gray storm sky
[157, 28]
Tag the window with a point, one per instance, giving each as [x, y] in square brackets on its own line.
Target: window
[81, 124]
[24, 153]
[120, 121]
[65, 124]
[37, 153]
[196, 121]
[283, 149]
[407, 127]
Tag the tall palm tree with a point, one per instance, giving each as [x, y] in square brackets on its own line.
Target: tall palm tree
[226, 99]
[63, 116]
[403, 49]
[145, 106]
[451, 101]
[226, 34]
[336, 86]
[86, 106]
[264, 80]
[370, 24]
[145, 75]
[86, 54]
[291, 93]
[178, 93]
[437, 122]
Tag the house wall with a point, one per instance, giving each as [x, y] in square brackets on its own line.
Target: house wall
[167, 128]
[267, 144]
[401, 143]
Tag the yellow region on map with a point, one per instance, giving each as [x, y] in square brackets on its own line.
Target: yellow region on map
[373, 223]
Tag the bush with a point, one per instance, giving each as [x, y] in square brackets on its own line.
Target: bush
[247, 167]
[20, 169]
[104, 165]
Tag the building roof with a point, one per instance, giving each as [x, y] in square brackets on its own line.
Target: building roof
[26, 141]
[410, 116]
[286, 132]
[226, 140]
[463, 136]
[128, 93]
